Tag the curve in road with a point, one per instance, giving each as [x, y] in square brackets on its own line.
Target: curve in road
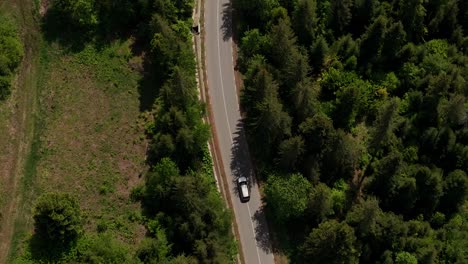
[251, 224]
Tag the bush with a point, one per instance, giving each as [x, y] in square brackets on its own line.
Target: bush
[57, 219]
[11, 53]
[101, 249]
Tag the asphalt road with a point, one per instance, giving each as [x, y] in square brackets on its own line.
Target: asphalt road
[254, 236]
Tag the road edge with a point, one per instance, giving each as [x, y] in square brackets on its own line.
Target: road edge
[220, 175]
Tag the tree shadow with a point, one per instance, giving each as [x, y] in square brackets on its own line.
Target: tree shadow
[149, 85]
[262, 233]
[227, 25]
[241, 165]
[54, 31]
[57, 28]
[47, 252]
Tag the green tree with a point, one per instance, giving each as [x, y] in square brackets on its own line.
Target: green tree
[429, 184]
[345, 47]
[295, 70]
[318, 132]
[252, 43]
[371, 226]
[373, 39]
[455, 191]
[169, 48]
[319, 52]
[154, 250]
[102, 249]
[259, 82]
[349, 102]
[57, 218]
[304, 97]
[180, 135]
[256, 14]
[454, 111]
[11, 53]
[320, 205]
[365, 217]
[341, 158]
[282, 42]
[391, 183]
[442, 17]
[290, 152]
[412, 14]
[199, 221]
[180, 90]
[306, 21]
[158, 182]
[340, 15]
[182, 259]
[268, 122]
[332, 242]
[405, 258]
[385, 125]
[287, 196]
[455, 234]
[393, 42]
[80, 13]
[363, 13]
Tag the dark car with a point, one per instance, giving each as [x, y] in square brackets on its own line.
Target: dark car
[243, 189]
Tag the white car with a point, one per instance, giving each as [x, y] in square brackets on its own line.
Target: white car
[243, 189]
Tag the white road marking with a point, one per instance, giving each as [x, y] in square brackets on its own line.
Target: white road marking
[225, 112]
[220, 71]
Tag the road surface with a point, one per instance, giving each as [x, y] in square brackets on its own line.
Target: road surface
[254, 236]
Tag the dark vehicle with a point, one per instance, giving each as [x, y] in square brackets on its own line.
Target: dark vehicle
[243, 189]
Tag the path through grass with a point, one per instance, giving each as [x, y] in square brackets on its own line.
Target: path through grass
[17, 119]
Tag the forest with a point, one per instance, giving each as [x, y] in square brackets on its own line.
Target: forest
[185, 218]
[357, 117]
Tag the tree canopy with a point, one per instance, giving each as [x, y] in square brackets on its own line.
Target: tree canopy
[57, 219]
[365, 101]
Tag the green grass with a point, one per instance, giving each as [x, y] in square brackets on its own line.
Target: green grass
[88, 139]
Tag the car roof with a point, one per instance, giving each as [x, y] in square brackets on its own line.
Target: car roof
[245, 191]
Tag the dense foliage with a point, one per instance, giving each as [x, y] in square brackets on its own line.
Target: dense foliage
[179, 195]
[11, 53]
[57, 219]
[359, 114]
[105, 17]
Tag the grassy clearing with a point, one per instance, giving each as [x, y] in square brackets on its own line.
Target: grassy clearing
[90, 139]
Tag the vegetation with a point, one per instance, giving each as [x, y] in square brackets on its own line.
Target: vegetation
[85, 147]
[113, 52]
[359, 114]
[179, 195]
[57, 219]
[11, 53]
